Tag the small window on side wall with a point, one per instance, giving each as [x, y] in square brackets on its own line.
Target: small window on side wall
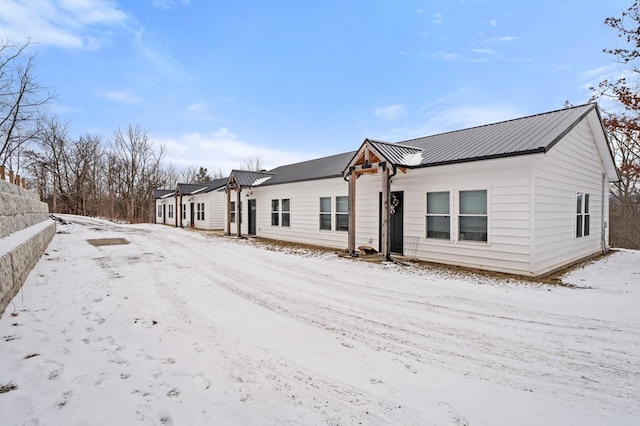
[583, 218]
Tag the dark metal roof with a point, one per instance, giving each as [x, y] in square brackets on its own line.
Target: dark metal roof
[248, 178]
[319, 168]
[400, 155]
[201, 187]
[161, 193]
[527, 135]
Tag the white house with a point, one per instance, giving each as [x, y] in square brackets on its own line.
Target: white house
[198, 205]
[525, 196]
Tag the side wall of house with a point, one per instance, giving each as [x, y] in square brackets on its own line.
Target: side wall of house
[214, 210]
[164, 218]
[572, 166]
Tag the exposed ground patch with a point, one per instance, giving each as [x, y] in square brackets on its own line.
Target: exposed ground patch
[99, 242]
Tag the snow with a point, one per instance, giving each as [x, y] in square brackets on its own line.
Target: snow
[261, 180]
[181, 327]
[412, 159]
[13, 240]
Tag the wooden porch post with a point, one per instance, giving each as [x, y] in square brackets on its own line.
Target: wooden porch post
[385, 214]
[238, 210]
[228, 210]
[2, 173]
[10, 176]
[352, 214]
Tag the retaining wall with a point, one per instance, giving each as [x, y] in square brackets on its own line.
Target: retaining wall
[25, 233]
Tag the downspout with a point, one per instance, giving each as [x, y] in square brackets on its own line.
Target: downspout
[603, 223]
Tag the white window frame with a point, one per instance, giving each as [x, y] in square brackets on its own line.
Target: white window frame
[325, 213]
[583, 215]
[338, 214]
[460, 215]
[449, 215]
[232, 207]
[170, 212]
[285, 213]
[275, 212]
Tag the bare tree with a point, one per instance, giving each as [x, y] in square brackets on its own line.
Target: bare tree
[139, 167]
[22, 101]
[253, 163]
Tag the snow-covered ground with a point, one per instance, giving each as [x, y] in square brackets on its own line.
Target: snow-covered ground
[180, 328]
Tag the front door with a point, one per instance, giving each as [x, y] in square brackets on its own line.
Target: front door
[252, 217]
[192, 214]
[396, 220]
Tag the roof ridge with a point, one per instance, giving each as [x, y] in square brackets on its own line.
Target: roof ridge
[590, 104]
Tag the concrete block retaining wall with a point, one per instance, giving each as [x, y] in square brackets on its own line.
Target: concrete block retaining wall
[25, 233]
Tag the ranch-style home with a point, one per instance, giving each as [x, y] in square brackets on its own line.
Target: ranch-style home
[197, 205]
[525, 196]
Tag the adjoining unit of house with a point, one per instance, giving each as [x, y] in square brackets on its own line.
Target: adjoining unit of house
[195, 205]
[525, 196]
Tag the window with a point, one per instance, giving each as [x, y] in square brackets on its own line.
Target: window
[473, 216]
[233, 211]
[582, 215]
[342, 213]
[184, 211]
[200, 211]
[438, 215]
[170, 211]
[159, 210]
[275, 212]
[286, 213]
[325, 213]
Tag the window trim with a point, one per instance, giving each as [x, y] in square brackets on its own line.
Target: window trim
[232, 208]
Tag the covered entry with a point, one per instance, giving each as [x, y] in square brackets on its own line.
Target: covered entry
[240, 180]
[386, 160]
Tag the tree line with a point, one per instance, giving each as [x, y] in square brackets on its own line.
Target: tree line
[86, 175]
[114, 178]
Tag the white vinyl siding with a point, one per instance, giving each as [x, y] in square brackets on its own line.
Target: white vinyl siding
[572, 166]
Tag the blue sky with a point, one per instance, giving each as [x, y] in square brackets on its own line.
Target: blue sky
[216, 82]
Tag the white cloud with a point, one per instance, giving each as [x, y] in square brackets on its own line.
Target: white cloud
[438, 18]
[64, 23]
[223, 150]
[158, 55]
[492, 23]
[484, 51]
[124, 97]
[197, 107]
[390, 112]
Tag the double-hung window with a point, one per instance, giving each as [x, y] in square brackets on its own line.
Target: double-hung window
[472, 217]
[232, 207]
[438, 215]
[159, 210]
[275, 212]
[325, 213]
[342, 213]
[170, 211]
[200, 211]
[582, 215]
[286, 212]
